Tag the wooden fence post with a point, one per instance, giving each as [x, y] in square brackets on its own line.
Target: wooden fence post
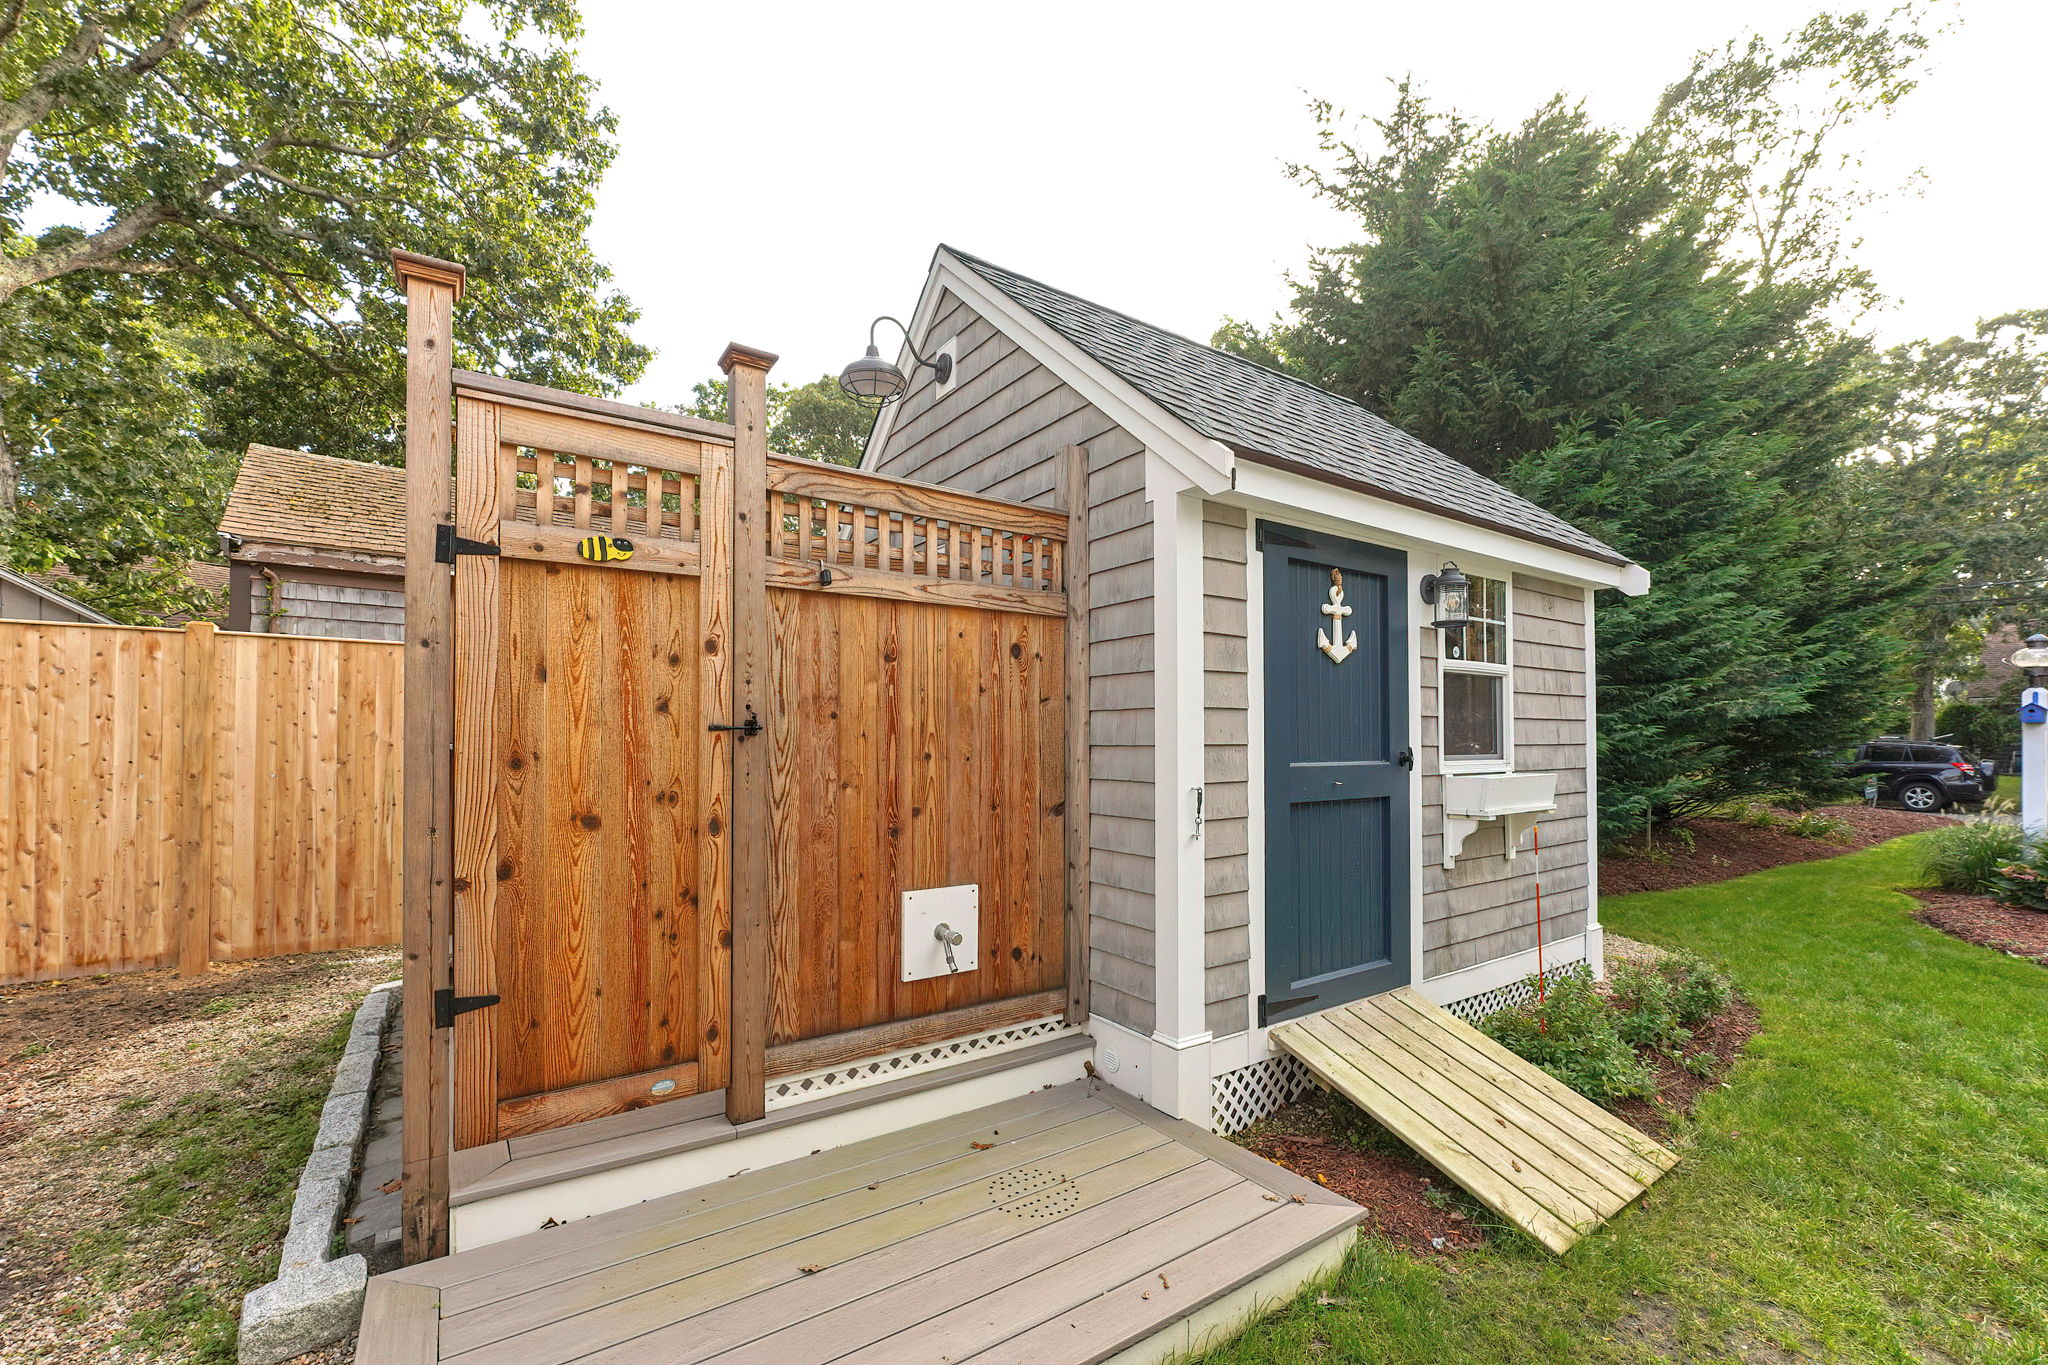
[197, 743]
[431, 289]
[753, 985]
[1074, 490]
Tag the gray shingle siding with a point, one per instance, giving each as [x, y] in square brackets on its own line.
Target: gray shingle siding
[998, 430]
[1226, 712]
[1486, 906]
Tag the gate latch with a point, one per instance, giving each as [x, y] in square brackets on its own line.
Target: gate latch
[746, 731]
[447, 1004]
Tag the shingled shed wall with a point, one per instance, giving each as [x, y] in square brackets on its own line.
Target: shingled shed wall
[1486, 906]
[998, 429]
[1226, 771]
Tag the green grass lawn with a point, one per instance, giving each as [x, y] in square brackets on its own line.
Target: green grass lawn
[1871, 1185]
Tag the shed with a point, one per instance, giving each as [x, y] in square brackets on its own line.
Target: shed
[315, 546]
[1085, 771]
[1280, 821]
[24, 599]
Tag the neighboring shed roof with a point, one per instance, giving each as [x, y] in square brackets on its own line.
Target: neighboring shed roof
[25, 598]
[1260, 412]
[288, 497]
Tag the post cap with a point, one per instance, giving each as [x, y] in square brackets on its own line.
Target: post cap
[752, 357]
[410, 265]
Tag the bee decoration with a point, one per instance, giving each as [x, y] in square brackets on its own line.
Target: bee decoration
[604, 549]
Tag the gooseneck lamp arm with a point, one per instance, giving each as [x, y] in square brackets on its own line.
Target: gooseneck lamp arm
[941, 366]
[873, 377]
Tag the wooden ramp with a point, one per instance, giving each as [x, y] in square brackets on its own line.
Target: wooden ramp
[1068, 1226]
[1525, 1145]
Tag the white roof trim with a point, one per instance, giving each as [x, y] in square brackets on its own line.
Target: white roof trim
[1203, 463]
[53, 596]
[1281, 493]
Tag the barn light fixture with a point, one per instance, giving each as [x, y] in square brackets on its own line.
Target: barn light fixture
[873, 377]
[1451, 593]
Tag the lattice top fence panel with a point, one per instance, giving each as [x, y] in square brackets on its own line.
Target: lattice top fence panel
[610, 497]
[827, 516]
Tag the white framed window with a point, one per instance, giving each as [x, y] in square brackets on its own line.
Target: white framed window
[1475, 698]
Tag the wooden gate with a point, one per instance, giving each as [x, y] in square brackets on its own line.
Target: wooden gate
[664, 907]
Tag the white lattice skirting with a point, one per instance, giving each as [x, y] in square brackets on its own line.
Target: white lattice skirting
[889, 1066]
[1473, 1008]
[1240, 1098]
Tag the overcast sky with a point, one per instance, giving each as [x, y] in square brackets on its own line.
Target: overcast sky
[786, 169]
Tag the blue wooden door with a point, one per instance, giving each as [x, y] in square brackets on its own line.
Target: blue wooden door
[1338, 765]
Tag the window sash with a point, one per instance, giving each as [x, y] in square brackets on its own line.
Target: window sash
[1472, 716]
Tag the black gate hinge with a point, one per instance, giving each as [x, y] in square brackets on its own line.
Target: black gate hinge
[447, 544]
[447, 1004]
[1268, 1008]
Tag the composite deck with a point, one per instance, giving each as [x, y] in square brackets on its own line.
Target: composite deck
[1528, 1147]
[1072, 1225]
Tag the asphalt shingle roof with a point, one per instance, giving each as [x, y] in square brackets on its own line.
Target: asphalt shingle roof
[1261, 412]
[288, 497]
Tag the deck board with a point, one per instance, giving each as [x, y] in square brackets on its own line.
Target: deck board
[1522, 1143]
[937, 1242]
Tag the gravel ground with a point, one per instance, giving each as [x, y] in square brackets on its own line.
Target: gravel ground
[151, 1131]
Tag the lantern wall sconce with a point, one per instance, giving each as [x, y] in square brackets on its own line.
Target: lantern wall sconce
[872, 377]
[2033, 658]
[1450, 592]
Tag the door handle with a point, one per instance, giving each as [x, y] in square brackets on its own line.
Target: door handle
[1407, 759]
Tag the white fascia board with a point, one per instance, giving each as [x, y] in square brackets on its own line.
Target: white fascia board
[1197, 461]
[1279, 493]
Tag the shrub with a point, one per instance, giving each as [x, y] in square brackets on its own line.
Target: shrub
[1699, 990]
[1811, 825]
[1966, 858]
[2024, 883]
[1572, 1034]
[1816, 825]
[1645, 1014]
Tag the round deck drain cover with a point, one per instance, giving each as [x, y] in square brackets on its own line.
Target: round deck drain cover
[1034, 1193]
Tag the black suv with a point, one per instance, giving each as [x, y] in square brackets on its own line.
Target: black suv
[1920, 775]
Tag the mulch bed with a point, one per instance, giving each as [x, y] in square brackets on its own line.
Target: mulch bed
[1722, 1038]
[1984, 921]
[1405, 1199]
[1412, 1205]
[1722, 849]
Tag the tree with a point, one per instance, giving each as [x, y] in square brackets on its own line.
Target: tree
[113, 482]
[1959, 469]
[1568, 308]
[241, 172]
[814, 421]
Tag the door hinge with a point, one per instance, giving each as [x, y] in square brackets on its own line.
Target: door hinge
[447, 544]
[447, 1004]
[1267, 1008]
[746, 731]
[1270, 534]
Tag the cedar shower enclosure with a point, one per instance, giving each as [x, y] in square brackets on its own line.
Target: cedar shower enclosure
[712, 713]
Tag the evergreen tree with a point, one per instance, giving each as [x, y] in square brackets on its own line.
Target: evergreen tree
[1573, 311]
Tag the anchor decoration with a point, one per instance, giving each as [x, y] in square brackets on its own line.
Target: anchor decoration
[1333, 641]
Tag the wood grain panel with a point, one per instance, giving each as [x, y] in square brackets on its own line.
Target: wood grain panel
[933, 749]
[238, 799]
[598, 940]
